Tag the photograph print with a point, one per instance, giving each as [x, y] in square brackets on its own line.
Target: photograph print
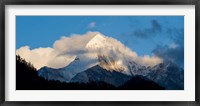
[99, 53]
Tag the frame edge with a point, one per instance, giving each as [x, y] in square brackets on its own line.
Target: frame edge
[32, 2]
[2, 53]
[197, 60]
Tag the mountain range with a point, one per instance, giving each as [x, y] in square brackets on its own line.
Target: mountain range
[103, 61]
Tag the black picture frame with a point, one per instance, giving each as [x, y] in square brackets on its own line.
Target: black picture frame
[99, 2]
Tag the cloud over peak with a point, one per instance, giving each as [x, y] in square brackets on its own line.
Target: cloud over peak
[66, 49]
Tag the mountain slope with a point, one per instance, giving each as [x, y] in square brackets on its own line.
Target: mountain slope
[141, 83]
[97, 73]
[168, 75]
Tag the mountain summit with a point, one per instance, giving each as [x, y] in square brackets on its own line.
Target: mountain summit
[99, 51]
[97, 42]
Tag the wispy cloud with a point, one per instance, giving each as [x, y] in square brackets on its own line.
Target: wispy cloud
[92, 25]
[173, 45]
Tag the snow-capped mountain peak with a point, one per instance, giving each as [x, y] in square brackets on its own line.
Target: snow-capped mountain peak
[98, 41]
[112, 56]
[100, 51]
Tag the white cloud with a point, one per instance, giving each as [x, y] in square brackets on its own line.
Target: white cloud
[73, 43]
[149, 60]
[67, 48]
[173, 45]
[92, 25]
[40, 57]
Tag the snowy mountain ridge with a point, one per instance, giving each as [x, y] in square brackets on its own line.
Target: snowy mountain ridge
[111, 59]
[96, 55]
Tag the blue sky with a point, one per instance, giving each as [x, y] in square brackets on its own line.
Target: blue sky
[160, 35]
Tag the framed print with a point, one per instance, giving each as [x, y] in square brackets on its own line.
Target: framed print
[102, 52]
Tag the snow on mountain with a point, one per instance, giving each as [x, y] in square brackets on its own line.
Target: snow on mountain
[52, 74]
[137, 69]
[97, 42]
[113, 57]
[102, 60]
[168, 75]
[79, 64]
[99, 50]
